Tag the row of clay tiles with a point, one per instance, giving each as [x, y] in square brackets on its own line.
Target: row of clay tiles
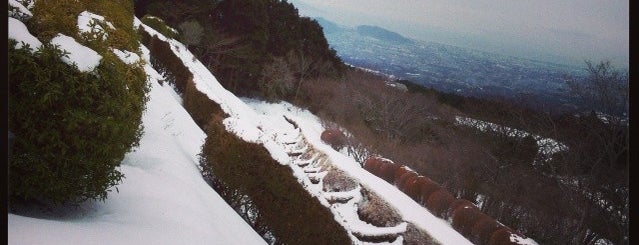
[466, 218]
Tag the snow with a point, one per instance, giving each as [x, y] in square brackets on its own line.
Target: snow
[523, 241]
[127, 57]
[170, 28]
[85, 58]
[311, 129]
[275, 133]
[86, 18]
[22, 12]
[163, 198]
[19, 32]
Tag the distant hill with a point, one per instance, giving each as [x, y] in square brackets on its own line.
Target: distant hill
[328, 26]
[450, 68]
[382, 34]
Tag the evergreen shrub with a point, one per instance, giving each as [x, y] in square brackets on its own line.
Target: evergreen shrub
[72, 128]
[159, 25]
[292, 215]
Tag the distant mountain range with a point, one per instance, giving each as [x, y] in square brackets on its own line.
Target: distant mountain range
[450, 68]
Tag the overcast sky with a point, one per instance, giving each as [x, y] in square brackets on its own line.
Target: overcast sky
[556, 30]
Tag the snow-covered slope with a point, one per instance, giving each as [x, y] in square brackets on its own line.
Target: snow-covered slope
[162, 200]
[271, 129]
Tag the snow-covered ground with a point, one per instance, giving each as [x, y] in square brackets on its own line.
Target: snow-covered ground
[311, 129]
[274, 132]
[163, 198]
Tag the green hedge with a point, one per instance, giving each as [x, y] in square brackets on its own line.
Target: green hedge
[72, 128]
[291, 214]
[159, 25]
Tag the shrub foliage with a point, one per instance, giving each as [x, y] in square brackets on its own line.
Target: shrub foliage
[72, 129]
[159, 25]
[282, 206]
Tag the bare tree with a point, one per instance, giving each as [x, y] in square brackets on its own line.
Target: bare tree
[191, 32]
[605, 89]
[277, 79]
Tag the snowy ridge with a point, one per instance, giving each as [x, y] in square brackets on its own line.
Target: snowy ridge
[288, 145]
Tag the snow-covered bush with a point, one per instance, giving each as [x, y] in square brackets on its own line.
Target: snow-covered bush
[53, 17]
[72, 128]
[337, 180]
[159, 25]
[165, 61]
[279, 203]
[19, 11]
[374, 210]
[198, 104]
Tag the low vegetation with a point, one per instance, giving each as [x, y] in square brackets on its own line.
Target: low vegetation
[374, 210]
[72, 128]
[264, 192]
[279, 205]
[255, 48]
[266, 50]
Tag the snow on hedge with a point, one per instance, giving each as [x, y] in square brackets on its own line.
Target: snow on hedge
[163, 198]
[20, 11]
[311, 127]
[127, 57]
[84, 57]
[86, 19]
[267, 128]
[19, 32]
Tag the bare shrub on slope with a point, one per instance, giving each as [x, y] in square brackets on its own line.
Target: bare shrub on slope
[374, 210]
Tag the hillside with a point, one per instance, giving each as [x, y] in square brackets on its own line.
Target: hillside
[163, 170]
[234, 122]
[163, 198]
[450, 68]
